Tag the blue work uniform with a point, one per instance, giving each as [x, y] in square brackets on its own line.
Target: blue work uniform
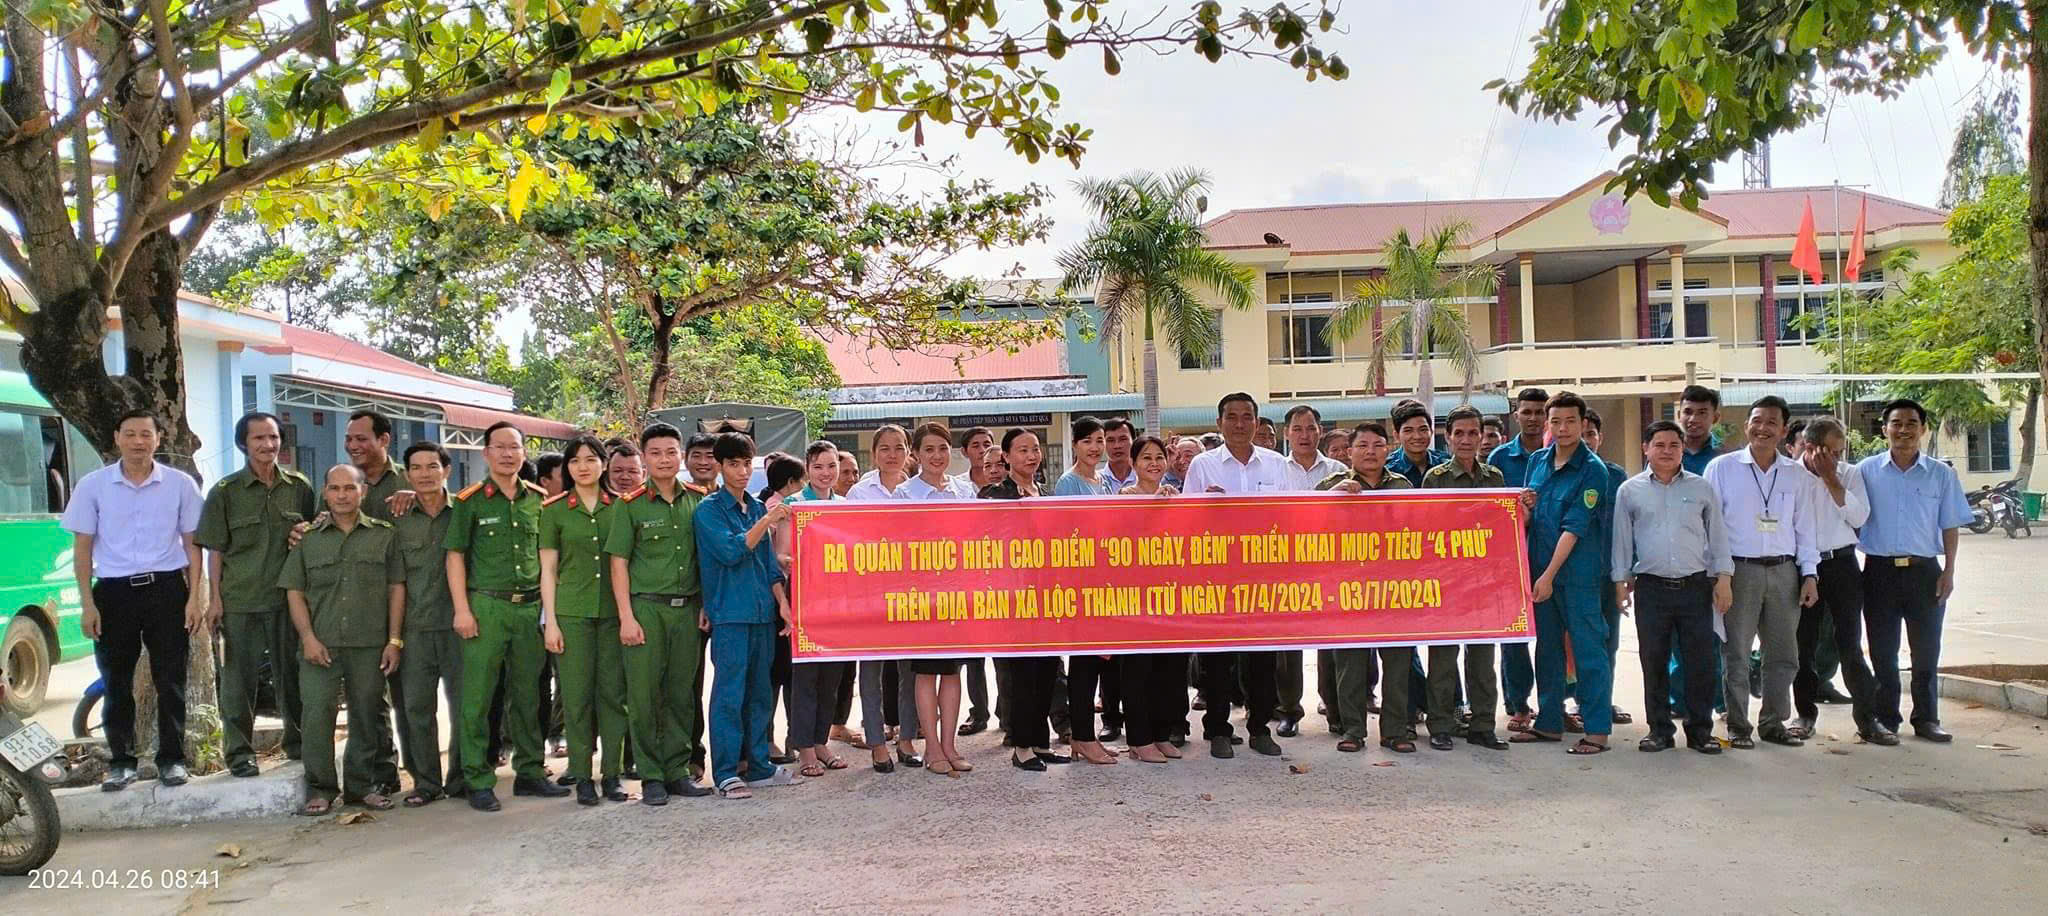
[739, 600]
[1571, 499]
[1398, 463]
[1517, 672]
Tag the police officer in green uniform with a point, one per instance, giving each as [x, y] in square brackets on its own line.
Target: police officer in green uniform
[245, 525]
[346, 587]
[1463, 426]
[580, 618]
[1563, 497]
[653, 549]
[494, 578]
[432, 662]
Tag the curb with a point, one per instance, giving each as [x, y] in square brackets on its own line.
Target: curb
[2020, 698]
[278, 791]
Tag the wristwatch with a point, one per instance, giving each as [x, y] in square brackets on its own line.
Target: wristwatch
[396, 643]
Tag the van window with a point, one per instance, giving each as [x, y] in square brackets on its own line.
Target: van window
[24, 487]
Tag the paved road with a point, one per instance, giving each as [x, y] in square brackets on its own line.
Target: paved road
[1833, 827]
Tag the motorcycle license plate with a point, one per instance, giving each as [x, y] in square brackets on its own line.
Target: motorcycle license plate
[32, 745]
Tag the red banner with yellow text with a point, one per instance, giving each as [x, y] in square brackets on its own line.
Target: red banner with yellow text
[1136, 574]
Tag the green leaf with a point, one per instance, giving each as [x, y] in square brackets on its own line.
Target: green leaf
[1055, 42]
[1808, 32]
[1693, 96]
[1571, 20]
[1109, 61]
[591, 20]
[521, 188]
[1011, 58]
[817, 34]
[865, 100]
[1667, 98]
[558, 86]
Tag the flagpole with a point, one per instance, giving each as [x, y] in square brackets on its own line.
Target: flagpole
[1841, 354]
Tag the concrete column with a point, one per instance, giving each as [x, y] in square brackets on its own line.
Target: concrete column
[1527, 262]
[1642, 299]
[1500, 315]
[1678, 329]
[1767, 306]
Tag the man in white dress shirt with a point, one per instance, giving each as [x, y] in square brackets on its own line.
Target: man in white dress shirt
[1306, 467]
[1769, 503]
[1237, 467]
[1842, 508]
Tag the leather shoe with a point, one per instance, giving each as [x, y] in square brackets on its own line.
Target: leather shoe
[973, 727]
[611, 790]
[1220, 749]
[1031, 763]
[1441, 742]
[1110, 732]
[1654, 743]
[1707, 746]
[686, 788]
[1831, 696]
[174, 775]
[1289, 728]
[1052, 758]
[1265, 744]
[1878, 735]
[118, 778]
[586, 793]
[1487, 740]
[652, 792]
[544, 788]
[484, 800]
[244, 769]
[1931, 731]
[1782, 737]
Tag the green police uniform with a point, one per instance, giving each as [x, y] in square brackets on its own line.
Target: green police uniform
[432, 661]
[657, 538]
[377, 505]
[592, 673]
[1480, 680]
[249, 523]
[1355, 665]
[345, 579]
[498, 535]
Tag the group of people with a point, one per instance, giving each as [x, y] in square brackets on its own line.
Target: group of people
[617, 566]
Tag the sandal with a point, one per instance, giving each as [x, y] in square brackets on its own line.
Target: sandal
[1351, 745]
[812, 770]
[1586, 748]
[1532, 736]
[735, 788]
[315, 807]
[418, 799]
[376, 802]
[1622, 717]
[1398, 745]
[959, 765]
[940, 766]
[1574, 723]
[833, 763]
[1519, 723]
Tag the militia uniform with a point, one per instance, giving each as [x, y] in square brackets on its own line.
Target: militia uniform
[249, 523]
[1357, 666]
[656, 538]
[345, 579]
[1570, 499]
[1443, 660]
[433, 654]
[590, 666]
[377, 504]
[498, 535]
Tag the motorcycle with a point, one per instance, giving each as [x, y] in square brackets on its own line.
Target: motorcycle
[1999, 506]
[1980, 511]
[30, 763]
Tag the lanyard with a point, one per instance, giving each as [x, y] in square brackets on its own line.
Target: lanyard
[1764, 490]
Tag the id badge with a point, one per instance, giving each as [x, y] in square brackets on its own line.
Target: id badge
[1766, 524]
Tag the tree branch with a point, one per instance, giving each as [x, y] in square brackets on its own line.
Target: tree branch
[156, 181]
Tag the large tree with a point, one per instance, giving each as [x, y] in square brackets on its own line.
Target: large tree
[125, 125]
[1145, 261]
[1693, 82]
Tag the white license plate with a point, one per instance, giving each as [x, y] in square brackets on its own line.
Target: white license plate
[28, 747]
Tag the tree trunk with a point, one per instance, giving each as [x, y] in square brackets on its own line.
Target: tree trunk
[2037, 186]
[2025, 472]
[1151, 374]
[1425, 374]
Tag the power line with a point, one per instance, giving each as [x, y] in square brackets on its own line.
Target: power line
[1507, 72]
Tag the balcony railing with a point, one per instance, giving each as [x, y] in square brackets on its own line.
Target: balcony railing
[1597, 344]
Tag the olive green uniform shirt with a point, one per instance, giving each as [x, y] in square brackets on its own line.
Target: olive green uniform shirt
[249, 524]
[658, 540]
[1388, 481]
[499, 536]
[583, 582]
[347, 577]
[1451, 476]
[376, 496]
[428, 609]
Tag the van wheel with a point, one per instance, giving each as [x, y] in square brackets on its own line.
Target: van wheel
[25, 663]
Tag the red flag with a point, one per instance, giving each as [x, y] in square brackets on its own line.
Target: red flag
[1854, 269]
[1805, 249]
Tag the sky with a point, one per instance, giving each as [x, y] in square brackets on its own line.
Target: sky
[1411, 123]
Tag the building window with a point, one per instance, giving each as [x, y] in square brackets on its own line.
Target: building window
[1215, 357]
[1991, 447]
[248, 394]
[1695, 313]
[1307, 338]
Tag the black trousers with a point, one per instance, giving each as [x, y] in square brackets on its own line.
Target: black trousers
[132, 618]
[975, 673]
[1027, 691]
[1841, 603]
[1896, 597]
[1113, 711]
[842, 708]
[1084, 674]
[891, 715]
[1156, 701]
[1685, 613]
[1219, 680]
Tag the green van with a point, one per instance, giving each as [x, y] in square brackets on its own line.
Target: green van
[41, 455]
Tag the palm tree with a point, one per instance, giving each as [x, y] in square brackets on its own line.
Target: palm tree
[1144, 258]
[1420, 277]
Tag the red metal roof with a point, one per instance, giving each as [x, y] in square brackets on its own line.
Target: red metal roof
[861, 361]
[1331, 228]
[321, 344]
[480, 418]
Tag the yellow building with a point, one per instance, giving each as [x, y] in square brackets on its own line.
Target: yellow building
[1585, 303]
